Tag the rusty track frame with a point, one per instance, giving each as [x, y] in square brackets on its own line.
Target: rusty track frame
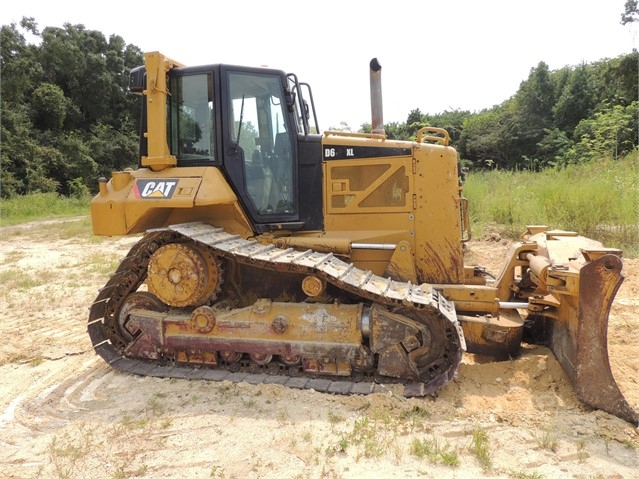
[132, 271]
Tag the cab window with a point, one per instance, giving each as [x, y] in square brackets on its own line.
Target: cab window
[192, 118]
[258, 126]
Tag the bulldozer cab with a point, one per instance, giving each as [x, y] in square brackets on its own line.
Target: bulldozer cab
[244, 120]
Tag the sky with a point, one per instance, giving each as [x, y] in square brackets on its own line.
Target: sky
[435, 55]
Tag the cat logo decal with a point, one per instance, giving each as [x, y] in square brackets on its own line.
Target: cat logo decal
[155, 189]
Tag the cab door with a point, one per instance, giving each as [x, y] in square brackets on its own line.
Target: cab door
[259, 152]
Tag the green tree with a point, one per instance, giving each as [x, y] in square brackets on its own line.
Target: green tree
[608, 134]
[414, 122]
[557, 117]
[21, 160]
[21, 72]
[68, 157]
[66, 111]
[482, 140]
[451, 121]
[551, 150]
[615, 81]
[19, 65]
[533, 105]
[49, 107]
[343, 126]
[92, 72]
[631, 12]
[113, 149]
[575, 102]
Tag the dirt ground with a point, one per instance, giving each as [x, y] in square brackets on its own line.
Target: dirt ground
[64, 413]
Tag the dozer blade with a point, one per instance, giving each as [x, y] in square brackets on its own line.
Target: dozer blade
[580, 341]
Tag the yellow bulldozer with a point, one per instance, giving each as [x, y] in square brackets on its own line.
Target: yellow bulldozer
[273, 253]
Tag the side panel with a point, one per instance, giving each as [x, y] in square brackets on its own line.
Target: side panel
[373, 186]
[368, 197]
[384, 192]
[438, 226]
[134, 201]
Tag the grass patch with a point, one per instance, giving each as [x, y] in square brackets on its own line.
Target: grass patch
[22, 280]
[481, 447]
[525, 475]
[282, 416]
[40, 206]
[18, 279]
[13, 257]
[414, 417]
[599, 200]
[582, 452]
[101, 263]
[156, 405]
[434, 451]
[76, 229]
[82, 448]
[66, 453]
[31, 358]
[369, 437]
[80, 229]
[547, 439]
[334, 418]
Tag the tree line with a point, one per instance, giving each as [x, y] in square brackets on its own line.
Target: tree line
[67, 116]
[571, 115]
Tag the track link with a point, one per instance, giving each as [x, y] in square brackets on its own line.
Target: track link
[131, 273]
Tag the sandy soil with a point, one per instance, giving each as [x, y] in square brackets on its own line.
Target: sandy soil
[65, 414]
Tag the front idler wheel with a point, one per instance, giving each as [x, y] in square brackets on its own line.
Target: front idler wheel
[138, 300]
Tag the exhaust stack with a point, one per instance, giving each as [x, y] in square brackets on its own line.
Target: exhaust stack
[377, 113]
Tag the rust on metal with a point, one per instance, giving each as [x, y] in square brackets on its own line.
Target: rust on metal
[579, 338]
[594, 382]
[414, 332]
